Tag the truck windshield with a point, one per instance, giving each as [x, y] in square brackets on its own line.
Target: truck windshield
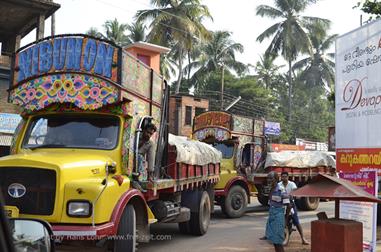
[72, 131]
[227, 149]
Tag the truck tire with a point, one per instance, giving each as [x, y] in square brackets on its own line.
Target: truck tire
[126, 234]
[235, 202]
[199, 221]
[263, 200]
[184, 227]
[307, 203]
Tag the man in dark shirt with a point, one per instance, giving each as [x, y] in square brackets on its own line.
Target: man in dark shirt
[146, 150]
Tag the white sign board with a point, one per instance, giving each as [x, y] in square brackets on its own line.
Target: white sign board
[364, 212]
[358, 99]
[9, 122]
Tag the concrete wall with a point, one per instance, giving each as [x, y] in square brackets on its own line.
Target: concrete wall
[6, 107]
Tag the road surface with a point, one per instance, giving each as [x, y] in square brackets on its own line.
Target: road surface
[223, 235]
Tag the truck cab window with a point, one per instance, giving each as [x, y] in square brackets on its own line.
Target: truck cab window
[227, 149]
[72, 131]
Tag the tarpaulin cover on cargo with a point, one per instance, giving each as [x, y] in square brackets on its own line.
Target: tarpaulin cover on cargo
[194, 152]
[299, 159]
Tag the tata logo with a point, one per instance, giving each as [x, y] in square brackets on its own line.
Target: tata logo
[16, 190]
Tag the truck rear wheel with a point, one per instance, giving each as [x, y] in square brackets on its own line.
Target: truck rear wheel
[199, 221]
[235, 203]
[126, 235]
[307, 203]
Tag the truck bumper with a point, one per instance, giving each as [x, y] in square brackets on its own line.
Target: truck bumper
[97, 232]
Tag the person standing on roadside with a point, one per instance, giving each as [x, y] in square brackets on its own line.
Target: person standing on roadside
[275, 225]
[289, 186]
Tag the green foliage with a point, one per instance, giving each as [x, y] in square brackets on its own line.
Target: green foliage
[372, 7]
[289, 36]
[115, 32]
[214, 55]
[177, 24]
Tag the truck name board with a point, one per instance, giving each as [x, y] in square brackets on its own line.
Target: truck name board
[212, 119]
[66, 54]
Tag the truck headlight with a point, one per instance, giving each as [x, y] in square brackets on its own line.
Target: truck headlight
[79, 208]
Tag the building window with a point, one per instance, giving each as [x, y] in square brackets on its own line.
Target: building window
[188, 115]
[199, 111]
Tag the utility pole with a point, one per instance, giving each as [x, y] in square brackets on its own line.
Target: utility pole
[222, 86]
[53, 24]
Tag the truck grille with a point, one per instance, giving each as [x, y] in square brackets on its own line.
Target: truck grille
[40, 185]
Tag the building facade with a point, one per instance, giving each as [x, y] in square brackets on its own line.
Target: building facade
[182, 110]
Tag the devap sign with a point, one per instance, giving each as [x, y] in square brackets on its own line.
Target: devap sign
[358, 99]
[272, 128]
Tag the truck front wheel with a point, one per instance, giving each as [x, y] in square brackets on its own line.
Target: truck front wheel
[125, 241]
[235, 203]
[307, 203]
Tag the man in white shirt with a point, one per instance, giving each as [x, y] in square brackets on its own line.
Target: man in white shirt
[289, 186]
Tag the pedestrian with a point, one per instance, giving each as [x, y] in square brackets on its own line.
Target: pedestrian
[289, 186]
[275, 225]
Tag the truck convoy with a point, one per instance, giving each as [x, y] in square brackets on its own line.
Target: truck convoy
[246, 161]
[75, 154]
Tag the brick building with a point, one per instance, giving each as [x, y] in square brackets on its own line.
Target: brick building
[182, 110]
[17, 19]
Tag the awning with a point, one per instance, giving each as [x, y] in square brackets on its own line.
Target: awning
[5, 140]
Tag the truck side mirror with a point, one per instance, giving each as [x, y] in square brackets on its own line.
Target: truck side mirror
[31, 235]
[111, 168]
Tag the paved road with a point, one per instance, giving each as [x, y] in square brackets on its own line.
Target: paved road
[223, 235]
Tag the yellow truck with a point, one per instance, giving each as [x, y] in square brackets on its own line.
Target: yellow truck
[246, 161]
[241, 141]
[74, 158]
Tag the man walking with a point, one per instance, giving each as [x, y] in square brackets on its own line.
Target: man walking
[289, 186]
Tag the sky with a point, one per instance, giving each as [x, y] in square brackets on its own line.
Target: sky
[238, 17]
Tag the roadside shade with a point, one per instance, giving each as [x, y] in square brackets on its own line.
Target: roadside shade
[329, 187]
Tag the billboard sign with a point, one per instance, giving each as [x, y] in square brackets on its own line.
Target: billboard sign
[272, 128]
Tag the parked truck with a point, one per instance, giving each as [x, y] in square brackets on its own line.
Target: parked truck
[241, 141]
[75, 158]
[246, 161]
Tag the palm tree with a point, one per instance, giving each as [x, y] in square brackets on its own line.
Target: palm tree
[115, 32]
[137, 32]
[217, 55]
[318, 68]
[267, 71]
[94, 32]
[289, 36]
[176, 22]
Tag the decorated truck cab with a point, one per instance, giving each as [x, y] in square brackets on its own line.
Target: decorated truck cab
[74, 158]
[242, 143]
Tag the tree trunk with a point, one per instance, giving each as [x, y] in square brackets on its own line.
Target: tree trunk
[289, 91]
[178, 83]
[189, 62]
